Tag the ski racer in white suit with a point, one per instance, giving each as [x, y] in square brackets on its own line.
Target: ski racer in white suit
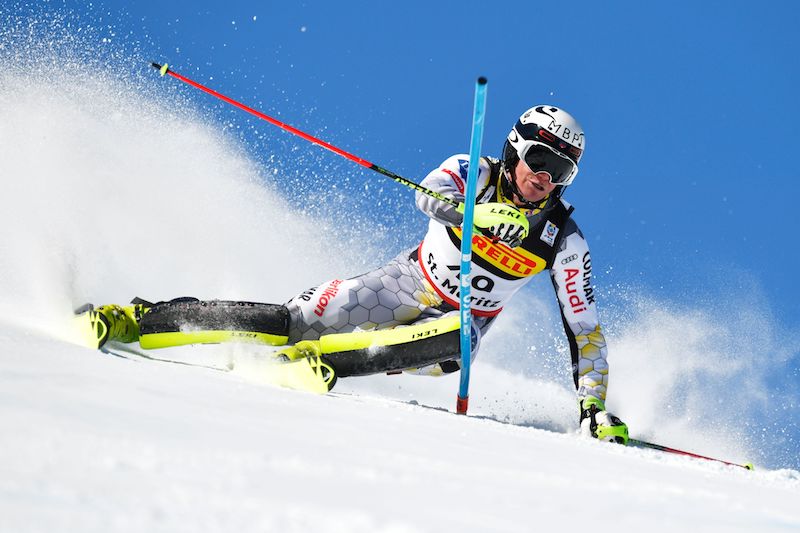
[540, 159]
[404, 316]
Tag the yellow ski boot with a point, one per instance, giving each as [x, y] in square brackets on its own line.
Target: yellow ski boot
[303, 367]
[109, 323]
[301, 350]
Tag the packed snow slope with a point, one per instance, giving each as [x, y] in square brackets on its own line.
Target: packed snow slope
[94, 443]
[109, 194]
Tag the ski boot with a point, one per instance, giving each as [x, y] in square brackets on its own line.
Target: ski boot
[596, 422]
[110, 323]
[298, 351]
[303, 363]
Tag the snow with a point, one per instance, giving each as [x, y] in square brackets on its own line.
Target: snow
[93, 442]
[108, 195]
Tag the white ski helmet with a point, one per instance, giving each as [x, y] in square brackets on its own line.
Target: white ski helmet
[549, 140]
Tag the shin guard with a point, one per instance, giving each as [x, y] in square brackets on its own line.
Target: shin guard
[373, 352]
[191, 321]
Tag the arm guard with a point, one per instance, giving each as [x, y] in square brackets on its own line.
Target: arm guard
[571, 274]
[449, 179]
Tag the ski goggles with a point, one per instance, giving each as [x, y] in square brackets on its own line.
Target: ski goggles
[543, 158]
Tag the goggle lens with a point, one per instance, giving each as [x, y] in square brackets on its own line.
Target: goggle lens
[541, 158]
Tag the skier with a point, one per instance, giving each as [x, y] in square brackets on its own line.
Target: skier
[404, 315]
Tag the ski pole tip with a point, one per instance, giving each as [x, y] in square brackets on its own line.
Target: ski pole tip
[482, 80]
[749, 466]
[461, 405]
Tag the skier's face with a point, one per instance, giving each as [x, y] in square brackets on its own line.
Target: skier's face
[534, 186]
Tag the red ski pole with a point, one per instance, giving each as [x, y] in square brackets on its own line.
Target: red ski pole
[645, 444]
[165, 70]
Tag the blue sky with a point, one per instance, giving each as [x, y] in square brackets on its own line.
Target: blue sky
[688, 183]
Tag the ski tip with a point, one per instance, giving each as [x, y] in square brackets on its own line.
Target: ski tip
[749, 466]
[482, 80]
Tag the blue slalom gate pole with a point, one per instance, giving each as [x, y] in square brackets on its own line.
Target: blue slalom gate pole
[466, 243]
